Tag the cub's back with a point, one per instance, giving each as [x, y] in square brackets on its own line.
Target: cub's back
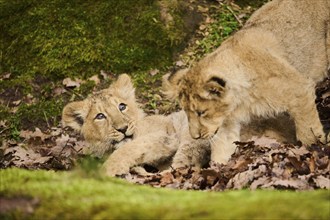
[300, 27]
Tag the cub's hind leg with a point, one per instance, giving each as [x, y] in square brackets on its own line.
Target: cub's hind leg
[302, 108]
[290, 90]
[308, 125]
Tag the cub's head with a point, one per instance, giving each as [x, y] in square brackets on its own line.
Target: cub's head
[106, 118]
[202, 95]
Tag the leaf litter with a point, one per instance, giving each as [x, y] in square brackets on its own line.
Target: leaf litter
[253, 166]
[55, 149]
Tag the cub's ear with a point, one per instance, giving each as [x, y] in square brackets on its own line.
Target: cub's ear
[172, 83]
[74, 114]
[214, 87]
[123, 86]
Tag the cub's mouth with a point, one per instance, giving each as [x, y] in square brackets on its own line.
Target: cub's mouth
[123, 140]
[128, 137]
[211, 135]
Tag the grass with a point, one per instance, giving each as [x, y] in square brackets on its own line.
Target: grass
[69, 195]
[62, 38]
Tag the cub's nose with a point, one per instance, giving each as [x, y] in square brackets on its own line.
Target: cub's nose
[123, 129]
[196, 135]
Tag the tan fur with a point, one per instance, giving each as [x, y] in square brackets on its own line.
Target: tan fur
[151, 140]
[268, 67]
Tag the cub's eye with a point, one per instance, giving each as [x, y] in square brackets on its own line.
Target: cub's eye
[100, 116]
[201, 113]
[122, 106]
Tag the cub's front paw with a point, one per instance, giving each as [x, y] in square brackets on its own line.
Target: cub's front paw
[115, 169]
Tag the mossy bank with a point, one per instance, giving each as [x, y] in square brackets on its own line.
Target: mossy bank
[64, 195]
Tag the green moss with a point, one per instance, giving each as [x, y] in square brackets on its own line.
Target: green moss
[70, 196]
[44, 113]
[73, 38]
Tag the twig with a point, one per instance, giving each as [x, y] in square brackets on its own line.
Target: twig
[46, 119]
[236, 17]
[4, 130]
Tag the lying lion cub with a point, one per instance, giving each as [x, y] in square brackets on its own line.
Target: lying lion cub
[270, 66]
[112, 121]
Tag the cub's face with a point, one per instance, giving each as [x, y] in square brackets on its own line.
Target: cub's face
[105, 119]
[201, 97]
[110, 119]
[204, 116]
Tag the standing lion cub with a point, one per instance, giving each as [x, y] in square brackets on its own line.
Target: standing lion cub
[270, 66]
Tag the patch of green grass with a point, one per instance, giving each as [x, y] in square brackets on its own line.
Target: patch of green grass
[67, 195]
[73, 38]
[223, 25]
[44, 113]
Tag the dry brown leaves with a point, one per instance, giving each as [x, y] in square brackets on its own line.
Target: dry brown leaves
[38, 150]
[253, 166]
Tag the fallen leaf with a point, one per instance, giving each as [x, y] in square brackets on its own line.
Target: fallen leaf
[298, 151]
[202, 9]
[95, 79]
[63, 140]
[25, 157]
[26, 134]
[17, 102]
[58, 91]
[3, 123]
[55, 131]
[202, 27]
[260, 182]
[311, 164]
[69, 83]
[241, 180]
[153, 72]
[166, 179]
[288, 183]
[322, 182]
[5, 76]
[265, 141]
[241, 163]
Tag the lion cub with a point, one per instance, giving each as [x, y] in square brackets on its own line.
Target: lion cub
[111, 121]
[270, 66]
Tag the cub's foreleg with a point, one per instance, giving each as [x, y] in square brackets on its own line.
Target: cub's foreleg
[152, 150]
[222, 144]
[192, 153]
